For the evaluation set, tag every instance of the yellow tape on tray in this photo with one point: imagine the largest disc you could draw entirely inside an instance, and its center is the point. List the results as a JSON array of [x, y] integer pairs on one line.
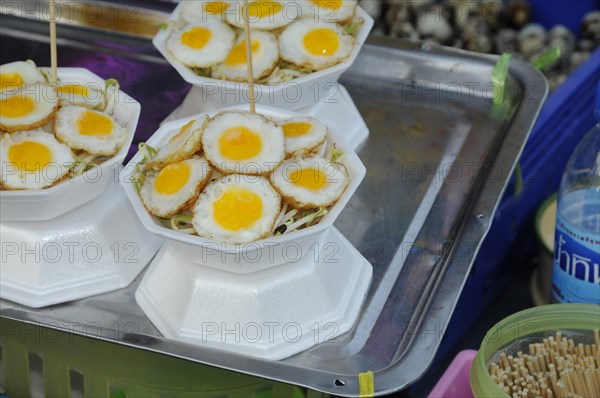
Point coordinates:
[[366, 384]]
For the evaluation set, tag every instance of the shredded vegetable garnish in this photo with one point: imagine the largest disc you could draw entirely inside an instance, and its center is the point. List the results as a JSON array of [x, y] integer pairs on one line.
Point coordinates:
[[111, 87], [352, 28], [499, 76], [81, 164], [203, 72], [147, 153], [182, 223], [166, 25], [310, 218], [547, 59], [335, 155]]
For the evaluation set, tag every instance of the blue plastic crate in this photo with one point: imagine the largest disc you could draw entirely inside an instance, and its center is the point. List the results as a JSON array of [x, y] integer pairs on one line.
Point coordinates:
[[566, 116]]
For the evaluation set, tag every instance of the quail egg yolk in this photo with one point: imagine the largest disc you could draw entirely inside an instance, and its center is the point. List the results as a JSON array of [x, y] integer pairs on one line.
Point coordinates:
[[263, 8], [239, 143], [172, 178], [94, 124], [308, 178], [216, 7], [237, 209], [321, 42], [10, 80], [16, 106], [196, 38], [329, 4], [299, 129], [29, 156], [237, 55], [74, 89]]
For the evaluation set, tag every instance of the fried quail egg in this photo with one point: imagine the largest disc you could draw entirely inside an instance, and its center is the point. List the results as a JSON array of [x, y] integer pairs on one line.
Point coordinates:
[[265, 55], [27, 107], [310, 182], [265, 14], [236, 209], [329, 10], [89, 95], [89, 130], [316, 45], [180, 146], [33, 159], [239, 142], [193, 11], [15, 74], [303, 135], [175, 187], [201, 45]]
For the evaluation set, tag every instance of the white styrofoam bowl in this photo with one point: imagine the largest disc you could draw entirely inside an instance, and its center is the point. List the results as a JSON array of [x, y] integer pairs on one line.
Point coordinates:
[[273, 313], [49, 203], [255, 256], [91, 250], [293, 95]]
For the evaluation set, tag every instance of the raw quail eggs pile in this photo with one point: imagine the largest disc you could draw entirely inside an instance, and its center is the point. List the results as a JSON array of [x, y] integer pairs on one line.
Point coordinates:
[[289, 38], [239, 177], [50, 132], [488, 26]]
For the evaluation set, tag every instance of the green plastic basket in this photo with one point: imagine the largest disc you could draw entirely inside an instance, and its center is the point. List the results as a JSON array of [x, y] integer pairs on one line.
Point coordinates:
[[38, 361], [538, 321]]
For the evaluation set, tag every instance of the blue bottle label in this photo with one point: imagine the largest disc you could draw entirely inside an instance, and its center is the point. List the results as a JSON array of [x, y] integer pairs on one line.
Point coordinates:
[[576, 273]]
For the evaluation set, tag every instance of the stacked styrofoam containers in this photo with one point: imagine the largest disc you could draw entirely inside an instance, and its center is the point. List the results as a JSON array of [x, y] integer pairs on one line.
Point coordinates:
[[275, 293]]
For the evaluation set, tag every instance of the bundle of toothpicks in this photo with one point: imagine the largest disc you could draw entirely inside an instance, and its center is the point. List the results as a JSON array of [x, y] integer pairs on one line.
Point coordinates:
[[556, 368]]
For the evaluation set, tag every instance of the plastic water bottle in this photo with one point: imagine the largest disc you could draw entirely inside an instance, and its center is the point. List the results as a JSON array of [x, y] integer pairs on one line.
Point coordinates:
[[576, 273]]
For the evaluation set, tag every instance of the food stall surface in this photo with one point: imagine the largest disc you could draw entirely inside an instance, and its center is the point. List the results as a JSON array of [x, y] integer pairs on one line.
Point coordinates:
[[438, 158]]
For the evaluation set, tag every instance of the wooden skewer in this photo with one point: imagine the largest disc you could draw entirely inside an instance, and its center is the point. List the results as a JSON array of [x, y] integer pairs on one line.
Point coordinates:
[[252, 99], [53, 48], [550, 369]]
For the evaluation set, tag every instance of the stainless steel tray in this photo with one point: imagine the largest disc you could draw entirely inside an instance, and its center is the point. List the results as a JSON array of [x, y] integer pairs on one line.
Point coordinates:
[[438, 158]]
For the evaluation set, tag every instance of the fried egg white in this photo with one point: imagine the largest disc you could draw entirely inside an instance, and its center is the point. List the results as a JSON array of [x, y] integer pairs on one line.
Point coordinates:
[[303, 135], [265, 14], [186, 142], [312, 182], [202, 44], [175, 187], [193, 11], [89, 130], [239, 142], [33, 159], [27, 107], [329, 10], [87, 95], [265, 55], [236, 209], [316, 45], [15, 74]]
